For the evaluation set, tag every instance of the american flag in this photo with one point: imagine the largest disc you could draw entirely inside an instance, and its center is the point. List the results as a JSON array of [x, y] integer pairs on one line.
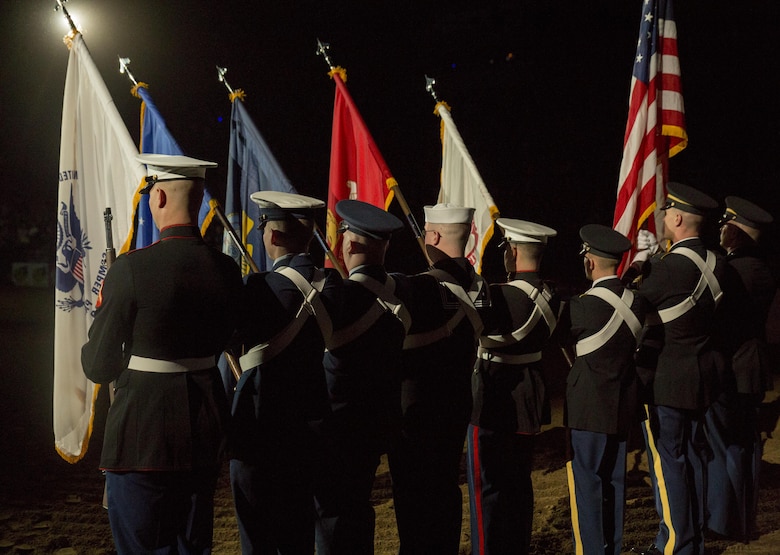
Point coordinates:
[[655, 130]]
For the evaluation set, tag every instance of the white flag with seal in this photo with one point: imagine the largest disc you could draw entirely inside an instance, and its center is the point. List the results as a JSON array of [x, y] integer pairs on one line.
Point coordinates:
[[462, 184], [98, 170]]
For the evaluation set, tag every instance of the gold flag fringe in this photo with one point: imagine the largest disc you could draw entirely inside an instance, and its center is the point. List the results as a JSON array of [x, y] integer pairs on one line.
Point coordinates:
[[239, 94], [341, 71], [68, 39], [439, 104], [134, 90]]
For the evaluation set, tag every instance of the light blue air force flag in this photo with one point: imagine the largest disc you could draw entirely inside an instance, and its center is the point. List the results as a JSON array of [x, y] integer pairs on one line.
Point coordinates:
[[155, 139]]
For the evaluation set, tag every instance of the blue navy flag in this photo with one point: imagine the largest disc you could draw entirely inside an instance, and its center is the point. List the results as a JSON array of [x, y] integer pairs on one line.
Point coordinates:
[[155, 139], [251, 168]]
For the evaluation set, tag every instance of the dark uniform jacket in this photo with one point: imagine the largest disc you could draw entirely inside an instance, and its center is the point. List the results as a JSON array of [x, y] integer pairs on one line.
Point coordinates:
[[436, 378], [176, 299], [512, 397], [359, 374], [275, 401], [602, 386], [686, 375], [756, 287]]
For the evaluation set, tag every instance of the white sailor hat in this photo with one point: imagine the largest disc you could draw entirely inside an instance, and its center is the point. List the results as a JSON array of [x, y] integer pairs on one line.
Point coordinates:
[[521, 231], [448, 213], [168, 167], [280, 205]]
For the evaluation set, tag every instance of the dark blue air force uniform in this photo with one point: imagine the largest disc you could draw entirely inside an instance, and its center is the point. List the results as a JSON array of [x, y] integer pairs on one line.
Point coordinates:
[[362, 356], [364, 411]]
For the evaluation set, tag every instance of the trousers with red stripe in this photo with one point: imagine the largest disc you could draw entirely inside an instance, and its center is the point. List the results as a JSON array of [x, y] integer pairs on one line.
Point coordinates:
[[501, 495]]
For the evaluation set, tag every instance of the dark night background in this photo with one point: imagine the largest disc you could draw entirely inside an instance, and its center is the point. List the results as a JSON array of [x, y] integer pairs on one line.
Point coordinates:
[[538, 89]]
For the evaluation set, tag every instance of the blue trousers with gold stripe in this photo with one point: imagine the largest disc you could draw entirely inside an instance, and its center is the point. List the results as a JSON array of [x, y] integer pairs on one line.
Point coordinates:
[[597, 492], [676, 459]]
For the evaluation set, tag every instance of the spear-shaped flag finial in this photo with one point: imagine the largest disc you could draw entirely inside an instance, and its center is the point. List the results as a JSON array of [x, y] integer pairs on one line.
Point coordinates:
[[123, 68], [221, 71], [238, 93], [61, 6], [429, 83], [322, 50]]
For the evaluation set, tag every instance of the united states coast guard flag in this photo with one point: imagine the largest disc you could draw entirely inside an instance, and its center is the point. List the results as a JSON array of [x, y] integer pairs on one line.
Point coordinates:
[[98, 170], [357, 168], [251, 168], [655, 130], [462, 184]]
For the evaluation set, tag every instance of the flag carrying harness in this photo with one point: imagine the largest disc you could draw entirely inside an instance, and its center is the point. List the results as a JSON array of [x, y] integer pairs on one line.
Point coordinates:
[[542, 310], [467, 301], [622, 313], [311, 305], [386, 302], [707, 280]]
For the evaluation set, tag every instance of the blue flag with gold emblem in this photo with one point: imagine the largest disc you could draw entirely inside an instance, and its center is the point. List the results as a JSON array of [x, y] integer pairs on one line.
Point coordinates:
[[251, 168]]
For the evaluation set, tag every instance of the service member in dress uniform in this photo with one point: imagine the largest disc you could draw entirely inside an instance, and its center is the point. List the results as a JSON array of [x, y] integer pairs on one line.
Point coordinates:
[[439, 352], [732, 420], [510, 402], [282, 391], [683, 286], [602, 400], [165, 312], [362, 357]]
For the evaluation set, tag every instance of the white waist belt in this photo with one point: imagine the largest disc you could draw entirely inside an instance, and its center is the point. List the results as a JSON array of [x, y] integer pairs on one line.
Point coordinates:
[[526, 358], [159, 366]]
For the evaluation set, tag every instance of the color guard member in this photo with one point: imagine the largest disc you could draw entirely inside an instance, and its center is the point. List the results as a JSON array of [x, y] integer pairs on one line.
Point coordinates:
[[165, 312], [732, 420], [282, 391], [683, 286], [510, 402], [602, 400], [435, 376], [362, 358]]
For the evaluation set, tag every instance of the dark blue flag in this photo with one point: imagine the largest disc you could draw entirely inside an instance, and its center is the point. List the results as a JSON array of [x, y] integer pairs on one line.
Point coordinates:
[[251, 168]]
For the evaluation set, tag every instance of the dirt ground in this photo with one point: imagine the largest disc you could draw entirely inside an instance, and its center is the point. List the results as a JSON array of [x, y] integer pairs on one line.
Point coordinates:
[[50, 506]]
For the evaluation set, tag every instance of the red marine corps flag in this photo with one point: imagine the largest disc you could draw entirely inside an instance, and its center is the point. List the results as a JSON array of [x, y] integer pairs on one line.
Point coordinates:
[[357, 168], [655, 130]]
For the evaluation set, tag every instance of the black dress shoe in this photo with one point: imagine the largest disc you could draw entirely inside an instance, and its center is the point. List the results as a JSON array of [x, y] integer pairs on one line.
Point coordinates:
[[649, 550]]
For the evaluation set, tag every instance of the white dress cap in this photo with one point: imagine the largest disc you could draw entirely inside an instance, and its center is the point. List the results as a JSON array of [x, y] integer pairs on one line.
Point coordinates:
[[521, 231], [279, 205], [284, 200], [165, 167], [447, 213]]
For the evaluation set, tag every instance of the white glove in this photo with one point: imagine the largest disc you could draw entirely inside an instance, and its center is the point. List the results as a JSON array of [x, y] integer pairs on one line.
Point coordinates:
[[646, 241], [640, 257]]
